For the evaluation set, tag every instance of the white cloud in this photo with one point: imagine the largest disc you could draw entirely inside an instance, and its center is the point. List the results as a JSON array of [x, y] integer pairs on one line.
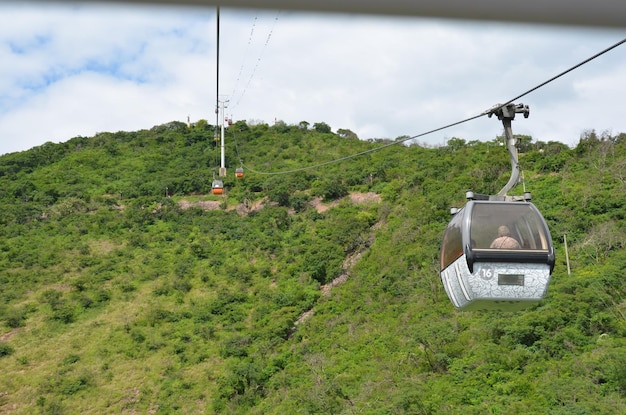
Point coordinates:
[[77, 70]]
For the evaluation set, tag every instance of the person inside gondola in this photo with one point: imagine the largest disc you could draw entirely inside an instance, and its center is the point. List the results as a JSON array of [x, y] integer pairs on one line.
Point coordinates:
[[504, 240]]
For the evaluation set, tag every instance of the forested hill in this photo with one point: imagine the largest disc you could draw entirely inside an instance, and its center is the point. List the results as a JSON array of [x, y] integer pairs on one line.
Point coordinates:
[[127, 287]]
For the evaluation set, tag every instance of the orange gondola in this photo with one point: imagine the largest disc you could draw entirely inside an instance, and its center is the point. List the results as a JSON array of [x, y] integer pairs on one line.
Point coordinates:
[[217, 187]]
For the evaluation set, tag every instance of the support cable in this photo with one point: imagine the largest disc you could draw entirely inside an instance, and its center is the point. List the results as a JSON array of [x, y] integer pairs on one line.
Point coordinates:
[[258, 61], [245, 55], [578, 65], [489, 112], [371, 150]]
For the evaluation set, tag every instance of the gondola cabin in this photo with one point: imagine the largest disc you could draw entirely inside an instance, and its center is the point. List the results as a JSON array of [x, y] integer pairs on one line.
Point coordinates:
[[496, 255], [239, 172], [217, 187]]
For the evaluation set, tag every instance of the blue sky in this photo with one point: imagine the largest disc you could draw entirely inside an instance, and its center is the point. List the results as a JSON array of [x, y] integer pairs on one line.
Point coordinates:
[[72, 69]]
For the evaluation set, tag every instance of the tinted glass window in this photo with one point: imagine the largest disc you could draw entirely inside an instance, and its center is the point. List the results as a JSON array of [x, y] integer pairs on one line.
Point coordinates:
[[508, 226], [452, 246]]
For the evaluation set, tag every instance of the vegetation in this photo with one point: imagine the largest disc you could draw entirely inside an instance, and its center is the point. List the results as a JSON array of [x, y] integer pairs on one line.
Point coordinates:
[[126, 287]]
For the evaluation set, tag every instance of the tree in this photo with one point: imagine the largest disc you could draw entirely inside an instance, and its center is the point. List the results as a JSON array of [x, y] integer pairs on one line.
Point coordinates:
[[345, 133], [455, 143], [524, 142], [202, 125], [322, 127], [241, 126], [329, 189], [281, 127]]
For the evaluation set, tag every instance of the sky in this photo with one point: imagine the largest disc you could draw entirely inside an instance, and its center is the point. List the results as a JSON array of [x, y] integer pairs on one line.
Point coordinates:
[[72, 69]]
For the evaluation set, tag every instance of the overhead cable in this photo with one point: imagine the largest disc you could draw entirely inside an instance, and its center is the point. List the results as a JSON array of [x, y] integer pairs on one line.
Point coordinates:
[[245, 55], [578, 65], [486, 112], [258, 61]]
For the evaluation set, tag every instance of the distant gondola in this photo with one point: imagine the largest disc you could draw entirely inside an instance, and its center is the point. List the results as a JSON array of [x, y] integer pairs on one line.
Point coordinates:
[[497, 251], [239, 172], [217, 187]]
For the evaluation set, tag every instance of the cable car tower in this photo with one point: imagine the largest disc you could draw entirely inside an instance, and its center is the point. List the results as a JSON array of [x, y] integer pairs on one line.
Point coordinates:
[[221, 122], [497, 251], [217, 186]]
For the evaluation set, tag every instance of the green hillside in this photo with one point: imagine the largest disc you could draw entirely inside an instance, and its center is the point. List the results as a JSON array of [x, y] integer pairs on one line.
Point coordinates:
[[127, 287]]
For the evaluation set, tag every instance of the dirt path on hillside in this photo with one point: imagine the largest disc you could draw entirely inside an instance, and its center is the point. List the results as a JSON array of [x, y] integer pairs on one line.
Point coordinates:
[[347, 266], [356, 198], [246, 207]]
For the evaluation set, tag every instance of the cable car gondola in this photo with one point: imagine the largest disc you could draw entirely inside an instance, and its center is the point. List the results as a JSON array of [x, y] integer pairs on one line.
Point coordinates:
[[496, 255], [239, 172], [217, 187], [497, 251]]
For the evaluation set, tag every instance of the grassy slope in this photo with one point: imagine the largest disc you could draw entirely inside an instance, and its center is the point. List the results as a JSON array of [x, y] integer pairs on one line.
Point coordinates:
[[133, 304]]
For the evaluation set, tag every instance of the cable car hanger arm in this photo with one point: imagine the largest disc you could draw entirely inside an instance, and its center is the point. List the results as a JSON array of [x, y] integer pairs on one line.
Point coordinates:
[[506, 113]]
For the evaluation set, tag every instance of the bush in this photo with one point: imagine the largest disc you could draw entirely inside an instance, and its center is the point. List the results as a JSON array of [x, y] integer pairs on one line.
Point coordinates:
[[15, 317], [6, 350], [329, 189], [65, 314]]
